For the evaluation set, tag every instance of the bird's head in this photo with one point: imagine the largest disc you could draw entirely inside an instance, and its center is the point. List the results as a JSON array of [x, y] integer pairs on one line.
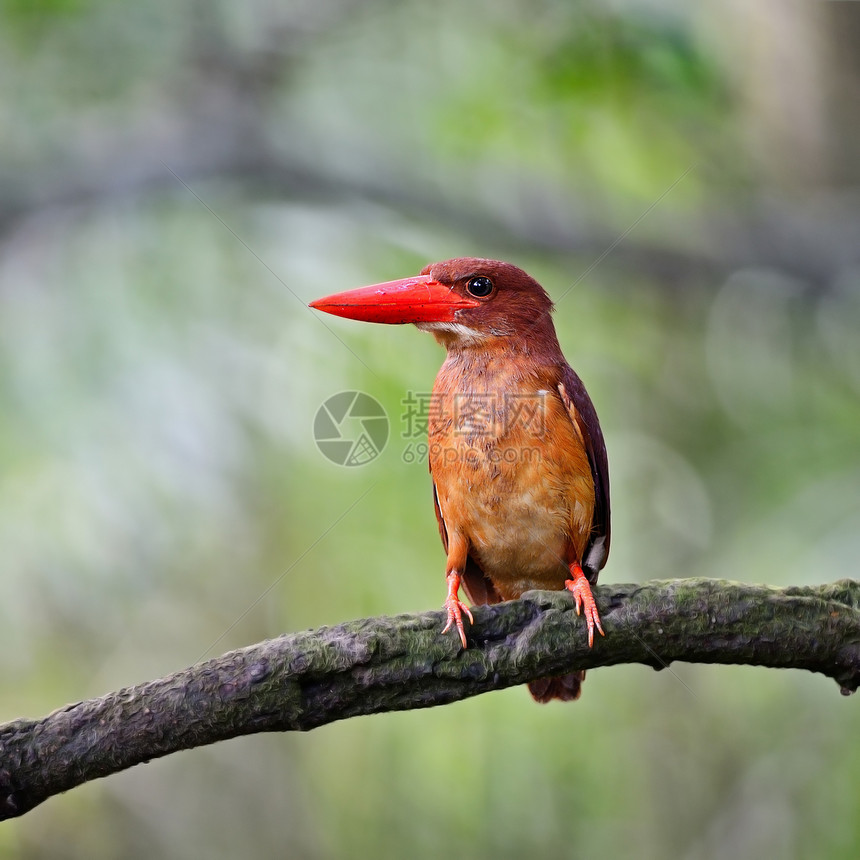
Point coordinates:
[[466, 301]]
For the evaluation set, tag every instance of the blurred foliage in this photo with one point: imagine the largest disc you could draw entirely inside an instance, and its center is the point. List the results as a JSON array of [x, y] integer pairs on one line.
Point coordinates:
[[178, 180]]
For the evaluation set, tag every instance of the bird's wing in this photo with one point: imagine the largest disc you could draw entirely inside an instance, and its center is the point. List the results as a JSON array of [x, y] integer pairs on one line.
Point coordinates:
[[582, 413], [478, 587]]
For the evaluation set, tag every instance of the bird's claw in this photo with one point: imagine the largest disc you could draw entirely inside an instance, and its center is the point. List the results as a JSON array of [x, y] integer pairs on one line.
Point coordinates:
[[455, 609], [584, 600]]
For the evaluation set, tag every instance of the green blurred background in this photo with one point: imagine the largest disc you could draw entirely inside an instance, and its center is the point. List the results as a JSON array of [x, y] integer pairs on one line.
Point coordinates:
[[177, 180]]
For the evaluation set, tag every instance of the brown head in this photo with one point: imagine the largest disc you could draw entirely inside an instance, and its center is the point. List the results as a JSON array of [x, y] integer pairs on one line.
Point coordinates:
[[464, 302]]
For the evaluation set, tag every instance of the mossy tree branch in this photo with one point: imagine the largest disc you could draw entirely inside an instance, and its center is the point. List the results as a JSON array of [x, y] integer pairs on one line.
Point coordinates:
[[304, 680]]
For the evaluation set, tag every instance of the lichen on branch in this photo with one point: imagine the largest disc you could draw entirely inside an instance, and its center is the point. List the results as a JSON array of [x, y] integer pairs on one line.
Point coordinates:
[[299, 681]]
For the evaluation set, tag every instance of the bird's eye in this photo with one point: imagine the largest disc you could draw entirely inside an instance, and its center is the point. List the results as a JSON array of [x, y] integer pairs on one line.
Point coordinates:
[[480, 287]]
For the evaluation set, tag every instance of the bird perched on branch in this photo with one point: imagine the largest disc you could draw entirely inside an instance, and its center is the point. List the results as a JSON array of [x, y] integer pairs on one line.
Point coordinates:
[[517, 457]]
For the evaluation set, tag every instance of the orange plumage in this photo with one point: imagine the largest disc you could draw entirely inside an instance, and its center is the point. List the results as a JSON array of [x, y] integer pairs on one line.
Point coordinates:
[[519, 467]]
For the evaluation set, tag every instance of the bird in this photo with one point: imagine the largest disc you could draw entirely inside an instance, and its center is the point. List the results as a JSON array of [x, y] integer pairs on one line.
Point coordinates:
[[517, 457]]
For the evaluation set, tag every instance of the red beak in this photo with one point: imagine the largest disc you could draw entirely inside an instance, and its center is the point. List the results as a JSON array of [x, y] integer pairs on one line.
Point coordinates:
[[409, 300]]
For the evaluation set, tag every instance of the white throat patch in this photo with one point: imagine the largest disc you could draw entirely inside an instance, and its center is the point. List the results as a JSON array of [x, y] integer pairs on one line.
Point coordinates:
[[462, 332]]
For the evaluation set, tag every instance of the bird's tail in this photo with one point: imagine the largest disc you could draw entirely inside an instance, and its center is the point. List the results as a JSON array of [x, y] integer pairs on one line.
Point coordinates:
[[564, 687]]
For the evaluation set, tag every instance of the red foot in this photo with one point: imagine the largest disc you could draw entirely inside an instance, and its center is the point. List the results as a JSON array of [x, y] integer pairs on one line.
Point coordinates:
[[581, 591], [456, 608]]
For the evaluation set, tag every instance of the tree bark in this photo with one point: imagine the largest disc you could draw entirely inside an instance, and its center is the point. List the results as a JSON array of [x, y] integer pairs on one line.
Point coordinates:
[[303, 680]]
